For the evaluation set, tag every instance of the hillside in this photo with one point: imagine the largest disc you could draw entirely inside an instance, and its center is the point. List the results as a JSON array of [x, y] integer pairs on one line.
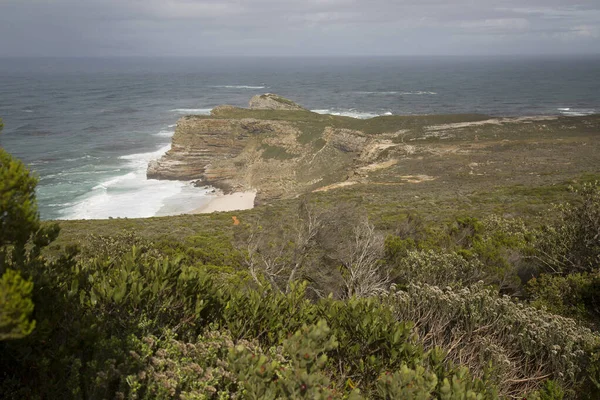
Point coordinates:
[[283, 154]]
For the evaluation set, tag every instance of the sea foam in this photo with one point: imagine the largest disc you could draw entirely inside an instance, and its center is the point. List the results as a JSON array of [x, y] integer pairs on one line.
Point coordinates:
[[239, 87], [165, 133], [199, 111], [132, 195], [401, 93], [352, 113], [576, 112]]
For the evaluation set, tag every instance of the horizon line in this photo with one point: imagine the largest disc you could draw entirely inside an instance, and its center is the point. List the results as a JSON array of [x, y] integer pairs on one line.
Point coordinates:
[[302, 56]]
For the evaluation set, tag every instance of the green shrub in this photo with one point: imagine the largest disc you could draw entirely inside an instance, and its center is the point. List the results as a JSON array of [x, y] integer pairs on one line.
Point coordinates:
[[212, 250], [396, 247], [438, 268], [574, 295], [523, 344], [592, 386], [295, 374], [567, 252], [550, 391], [16, 306], [165, 368], [370, 339], [572, 243], [114, 247], [468, 250], [215, 366], [498, 243], [21, 242], [407, 383], [165, 291], [18, 207], [86, 346], [267, 314]]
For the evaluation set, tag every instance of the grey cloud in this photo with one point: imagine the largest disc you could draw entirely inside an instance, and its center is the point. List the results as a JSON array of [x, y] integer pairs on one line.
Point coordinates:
[[303, 27]]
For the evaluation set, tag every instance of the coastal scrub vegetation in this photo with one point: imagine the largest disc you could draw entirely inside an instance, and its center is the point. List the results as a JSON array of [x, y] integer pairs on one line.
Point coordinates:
[[304, 299]]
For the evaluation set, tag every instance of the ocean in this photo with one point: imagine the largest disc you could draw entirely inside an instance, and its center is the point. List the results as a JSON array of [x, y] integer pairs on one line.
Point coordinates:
[[88, 127]]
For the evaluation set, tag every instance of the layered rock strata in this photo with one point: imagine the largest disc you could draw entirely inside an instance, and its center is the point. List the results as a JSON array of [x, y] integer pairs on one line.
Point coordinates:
[[278, 158], [196, 144]]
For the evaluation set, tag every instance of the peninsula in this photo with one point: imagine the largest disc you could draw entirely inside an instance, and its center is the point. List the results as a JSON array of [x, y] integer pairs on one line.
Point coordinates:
[[279, 150]]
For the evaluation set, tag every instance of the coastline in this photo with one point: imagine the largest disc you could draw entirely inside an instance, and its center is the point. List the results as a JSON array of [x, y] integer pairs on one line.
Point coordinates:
[[227, 202]]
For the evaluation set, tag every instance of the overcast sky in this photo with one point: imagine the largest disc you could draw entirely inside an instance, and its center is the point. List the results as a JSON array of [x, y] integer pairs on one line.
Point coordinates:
[[297, 27]]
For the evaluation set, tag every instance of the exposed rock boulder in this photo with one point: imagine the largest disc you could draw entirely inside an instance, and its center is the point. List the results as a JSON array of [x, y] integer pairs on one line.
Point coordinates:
[[270, 101]]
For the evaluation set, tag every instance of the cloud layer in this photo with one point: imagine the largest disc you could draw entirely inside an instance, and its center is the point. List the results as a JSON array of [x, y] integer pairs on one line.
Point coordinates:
[[297, 27]]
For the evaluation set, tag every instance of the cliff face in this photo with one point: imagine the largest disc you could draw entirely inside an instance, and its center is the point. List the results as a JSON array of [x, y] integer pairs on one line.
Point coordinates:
[[276, 147], [234, 153], [283, 153], [267, 155], [196, 144]]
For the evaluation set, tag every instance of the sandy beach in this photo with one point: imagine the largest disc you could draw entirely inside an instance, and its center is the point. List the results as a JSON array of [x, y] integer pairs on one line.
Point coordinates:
[[228, 202]]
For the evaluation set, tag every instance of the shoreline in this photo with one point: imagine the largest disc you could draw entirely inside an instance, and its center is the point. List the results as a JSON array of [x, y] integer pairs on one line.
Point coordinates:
[[227, 202]]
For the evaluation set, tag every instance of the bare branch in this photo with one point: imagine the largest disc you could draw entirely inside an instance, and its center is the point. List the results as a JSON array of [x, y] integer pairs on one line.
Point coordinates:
[[363, 272]]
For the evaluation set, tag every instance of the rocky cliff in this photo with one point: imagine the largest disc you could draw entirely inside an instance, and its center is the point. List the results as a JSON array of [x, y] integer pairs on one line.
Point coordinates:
[[275, 147], [281, 150], [269, 155]]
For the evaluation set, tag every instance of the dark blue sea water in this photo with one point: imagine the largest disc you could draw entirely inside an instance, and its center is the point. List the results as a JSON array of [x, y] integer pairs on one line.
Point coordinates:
[[88, 127]]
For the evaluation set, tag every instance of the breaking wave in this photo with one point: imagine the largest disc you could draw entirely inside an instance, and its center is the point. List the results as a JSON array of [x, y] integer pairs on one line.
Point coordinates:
[[165, 133], [240, 87], [400, 93], [198, 111], [576, 112], [352, 113], [132, 195]]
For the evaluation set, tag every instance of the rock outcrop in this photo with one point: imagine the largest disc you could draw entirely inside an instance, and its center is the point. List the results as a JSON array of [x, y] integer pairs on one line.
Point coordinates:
[[270, 101], [283, 155], [246, 154], [238, 149], [197, 143]]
